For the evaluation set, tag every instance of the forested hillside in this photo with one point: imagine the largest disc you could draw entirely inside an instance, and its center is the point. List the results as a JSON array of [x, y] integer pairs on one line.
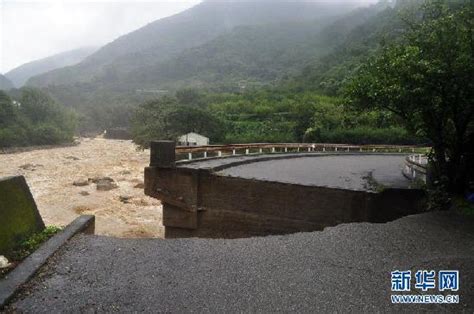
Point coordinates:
[[256, 56], [5, 83], [213, 45], [329, 73], [167, 37], [21, 74]]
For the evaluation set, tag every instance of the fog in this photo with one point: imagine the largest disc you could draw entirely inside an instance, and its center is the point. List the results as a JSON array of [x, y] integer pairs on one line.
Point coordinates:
[[31, 30], [34, 29]]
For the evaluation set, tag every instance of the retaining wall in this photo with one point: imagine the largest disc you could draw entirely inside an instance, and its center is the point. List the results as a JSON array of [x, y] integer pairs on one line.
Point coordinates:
[[201, 203]]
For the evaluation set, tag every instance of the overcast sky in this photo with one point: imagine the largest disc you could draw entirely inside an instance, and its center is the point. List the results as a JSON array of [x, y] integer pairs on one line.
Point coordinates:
[[34, 29]]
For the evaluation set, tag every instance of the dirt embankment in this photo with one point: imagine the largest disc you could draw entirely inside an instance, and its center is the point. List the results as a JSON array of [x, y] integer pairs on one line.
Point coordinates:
[[65, 181]]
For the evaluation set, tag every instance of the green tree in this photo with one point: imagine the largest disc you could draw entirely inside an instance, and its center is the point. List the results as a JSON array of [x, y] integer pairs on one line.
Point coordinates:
[[167, 118], [150, 121], [426, 79], [8, 114], [30, 117]]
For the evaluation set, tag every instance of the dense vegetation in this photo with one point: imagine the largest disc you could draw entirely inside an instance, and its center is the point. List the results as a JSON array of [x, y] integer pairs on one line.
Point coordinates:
[[426, 79], [31, 117], [265, 116]]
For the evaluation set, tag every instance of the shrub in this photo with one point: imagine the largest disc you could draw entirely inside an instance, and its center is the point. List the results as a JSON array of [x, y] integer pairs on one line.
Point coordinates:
[[363, 135]]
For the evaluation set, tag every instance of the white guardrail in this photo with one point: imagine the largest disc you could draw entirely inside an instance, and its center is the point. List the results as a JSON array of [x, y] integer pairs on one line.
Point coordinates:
[[416, 167], [212, 151]]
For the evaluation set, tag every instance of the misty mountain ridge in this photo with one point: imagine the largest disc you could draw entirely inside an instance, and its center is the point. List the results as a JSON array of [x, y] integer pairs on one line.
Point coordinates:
[[167, 37], [21, 74], [252, 55]]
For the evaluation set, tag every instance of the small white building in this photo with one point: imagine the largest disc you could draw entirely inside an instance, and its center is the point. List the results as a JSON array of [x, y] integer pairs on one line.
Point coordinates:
[[192, 139]]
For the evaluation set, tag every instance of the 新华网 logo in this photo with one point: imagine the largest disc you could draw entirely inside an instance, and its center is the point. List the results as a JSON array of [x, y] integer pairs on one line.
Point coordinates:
[[425, 281]]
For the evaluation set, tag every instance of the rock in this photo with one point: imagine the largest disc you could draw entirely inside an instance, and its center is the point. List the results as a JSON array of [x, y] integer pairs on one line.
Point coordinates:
[[4, 263], [31, 167], [106, 185], [81, 182], [125, 199], [140, 185], [84, 193], [99, 179]]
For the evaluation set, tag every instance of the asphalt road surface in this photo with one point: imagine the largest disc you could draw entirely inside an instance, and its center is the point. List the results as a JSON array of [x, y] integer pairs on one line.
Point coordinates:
[[344, 268], [342, 171]]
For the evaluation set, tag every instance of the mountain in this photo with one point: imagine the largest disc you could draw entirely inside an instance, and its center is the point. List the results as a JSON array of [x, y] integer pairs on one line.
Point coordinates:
[[296, 44], [5, 83], [328, 74], [21, 74], [251, 55], [166, 38]]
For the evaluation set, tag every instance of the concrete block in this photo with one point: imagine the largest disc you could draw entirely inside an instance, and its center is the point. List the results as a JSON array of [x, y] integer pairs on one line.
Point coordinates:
[[19, 216], [162, 154]]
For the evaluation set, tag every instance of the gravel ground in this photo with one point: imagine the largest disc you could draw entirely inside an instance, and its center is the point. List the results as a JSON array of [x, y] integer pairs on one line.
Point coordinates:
[[344, 268], [349, 172]]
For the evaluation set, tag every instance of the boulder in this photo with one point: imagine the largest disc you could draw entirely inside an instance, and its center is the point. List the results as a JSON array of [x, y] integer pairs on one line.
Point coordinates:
[[81, 182], [99, 179], [4, 263], [125, 199], [106, 185]]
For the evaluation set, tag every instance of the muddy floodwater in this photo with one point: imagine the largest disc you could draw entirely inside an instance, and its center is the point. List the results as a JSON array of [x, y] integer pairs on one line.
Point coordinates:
[[123, 211]]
